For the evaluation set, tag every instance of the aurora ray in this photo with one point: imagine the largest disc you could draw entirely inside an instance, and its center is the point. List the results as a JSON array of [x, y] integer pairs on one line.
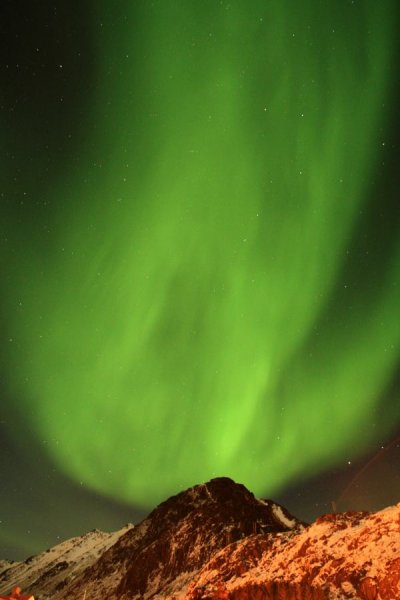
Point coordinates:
[[180, 320]]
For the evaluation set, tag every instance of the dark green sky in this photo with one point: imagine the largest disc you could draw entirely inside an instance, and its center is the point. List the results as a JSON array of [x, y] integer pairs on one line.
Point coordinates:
[[199, 255]]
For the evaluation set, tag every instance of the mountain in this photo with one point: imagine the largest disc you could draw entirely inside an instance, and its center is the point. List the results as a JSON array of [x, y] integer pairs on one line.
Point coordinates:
[[164, 552], [217, 541], [353, 555], [46, 574]]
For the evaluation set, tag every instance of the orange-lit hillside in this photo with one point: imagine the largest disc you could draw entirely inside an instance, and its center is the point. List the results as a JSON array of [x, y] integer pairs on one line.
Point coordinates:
[[16, 594]]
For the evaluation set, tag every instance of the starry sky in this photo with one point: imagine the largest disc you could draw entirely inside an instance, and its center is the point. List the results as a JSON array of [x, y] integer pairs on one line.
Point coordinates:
[[200, 257]]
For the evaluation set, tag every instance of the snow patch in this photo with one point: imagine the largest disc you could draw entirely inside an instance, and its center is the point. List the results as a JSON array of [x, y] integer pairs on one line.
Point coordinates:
[[282, 518]]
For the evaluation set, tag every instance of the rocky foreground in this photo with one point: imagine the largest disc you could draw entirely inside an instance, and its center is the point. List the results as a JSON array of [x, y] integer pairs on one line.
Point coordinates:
[[217, 541]]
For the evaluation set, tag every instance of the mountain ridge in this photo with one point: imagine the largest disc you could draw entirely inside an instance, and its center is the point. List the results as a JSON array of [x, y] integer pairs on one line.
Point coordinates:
[[217, 541]]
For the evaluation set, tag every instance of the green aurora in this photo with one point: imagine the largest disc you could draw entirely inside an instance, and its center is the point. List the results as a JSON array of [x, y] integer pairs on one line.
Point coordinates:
[[187, 316]]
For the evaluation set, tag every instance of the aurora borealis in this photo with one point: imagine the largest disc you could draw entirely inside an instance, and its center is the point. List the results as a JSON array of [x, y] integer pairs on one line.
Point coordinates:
[[200, 261]]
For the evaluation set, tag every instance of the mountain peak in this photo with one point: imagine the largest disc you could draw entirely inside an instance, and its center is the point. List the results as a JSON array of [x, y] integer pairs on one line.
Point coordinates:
[[217, 541], [181, 535]]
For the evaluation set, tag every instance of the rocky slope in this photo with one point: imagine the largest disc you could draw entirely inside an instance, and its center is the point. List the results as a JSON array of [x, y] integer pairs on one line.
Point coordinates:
[[164, 553], [217, 541], [46, 574], [346, 555]]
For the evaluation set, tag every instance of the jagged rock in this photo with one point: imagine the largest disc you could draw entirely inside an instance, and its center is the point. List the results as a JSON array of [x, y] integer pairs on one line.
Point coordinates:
[[348, 555], [179, 537], [47, 573], [216, 541]]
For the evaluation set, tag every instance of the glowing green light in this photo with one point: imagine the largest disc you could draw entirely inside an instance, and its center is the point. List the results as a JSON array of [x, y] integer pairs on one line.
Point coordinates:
[[175, 331]]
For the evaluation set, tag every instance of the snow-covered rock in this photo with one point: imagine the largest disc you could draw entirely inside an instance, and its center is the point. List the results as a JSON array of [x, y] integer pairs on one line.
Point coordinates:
[[346, 555], [46, 574], [162, 555], [217, 541]]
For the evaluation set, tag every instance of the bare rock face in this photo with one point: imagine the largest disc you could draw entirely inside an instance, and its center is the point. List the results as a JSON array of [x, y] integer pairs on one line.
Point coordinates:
[[164, 552], [46, 574], [216, 541], [5, 565], [348, 555]]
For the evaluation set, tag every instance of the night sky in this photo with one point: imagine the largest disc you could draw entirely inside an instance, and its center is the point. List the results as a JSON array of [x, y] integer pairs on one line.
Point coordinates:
[[200, 257]]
